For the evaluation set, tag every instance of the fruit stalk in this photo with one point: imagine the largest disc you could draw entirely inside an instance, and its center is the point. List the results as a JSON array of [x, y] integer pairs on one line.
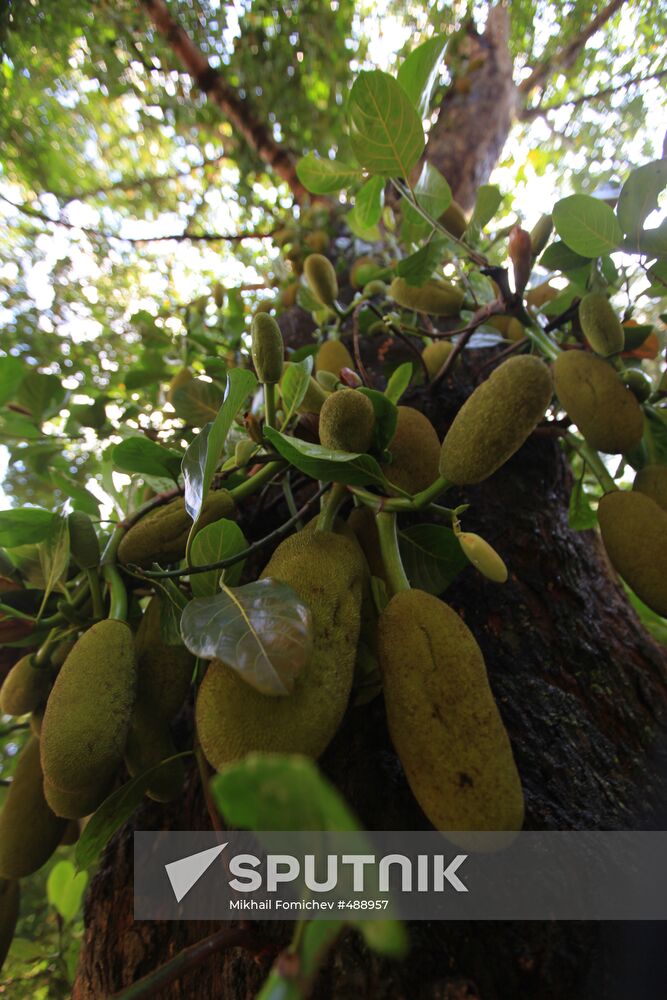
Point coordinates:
[[391, 556]]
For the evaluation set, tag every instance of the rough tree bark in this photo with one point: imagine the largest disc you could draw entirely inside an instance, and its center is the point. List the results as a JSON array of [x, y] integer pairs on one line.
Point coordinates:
[[581, 687]]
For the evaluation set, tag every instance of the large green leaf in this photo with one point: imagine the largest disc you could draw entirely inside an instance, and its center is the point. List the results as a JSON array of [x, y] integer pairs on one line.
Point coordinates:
[[559, 257], [432, 556], [385, 129], [41, 395], [196, 402], [24, 525], [220, 540], [587, 225], [323, 176], [434, 195], [368, 203], [639, 197], [12, 371], [65, 887], [419, 72], [146, 457], [326, 465], [419, 266], [487, 203], [294, 385]]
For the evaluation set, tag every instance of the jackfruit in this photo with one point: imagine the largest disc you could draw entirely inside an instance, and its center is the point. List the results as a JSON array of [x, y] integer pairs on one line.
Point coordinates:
[[164, 672], [606, 413], [29, 830], [88, 714], [639, 384], [483, 556], [652, 482], [83, 543], [634, 532], [149, 742], [321, 278], [332, 357], [25, 688], [443, 720], [267, 348], [509, 326], [415, 452], [434, 356], [437, 297], [163, 533], [328, 572], [347, 421], [10, 901], [600, 324], [77, 803], [495, 420]]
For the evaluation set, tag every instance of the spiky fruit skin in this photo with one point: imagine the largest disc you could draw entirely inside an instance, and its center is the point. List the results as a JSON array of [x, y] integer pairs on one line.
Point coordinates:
[[443, 719], [604, 410], [600, 324], [434, 356], [495, 420], [29, 830], [321, 278], [347, 421], [88, 714], [10, 903], [483, 556], [25, 687], [634, 532], [436, 297], [149, 743], [328, 572], [332, 357], [415, 452], [163, 533], [652, 482], [164, 672], [267, 348]]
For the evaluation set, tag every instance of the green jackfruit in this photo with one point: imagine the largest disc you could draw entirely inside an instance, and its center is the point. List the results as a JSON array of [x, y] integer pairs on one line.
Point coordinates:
[[437, 297], [78, 803], [10, 902], [634, 532], [267, 348], [347, 421], [606, 413], [443, 719], [332, 356], [434, 356], [600, 324], [651, 481], [495, 420], [163, 533], [164, 672], [415, 452], [83, 543], [29, 830], [148, 743], [321, 278], [88, 713], [483, 556], [25, 687], [328, 572]]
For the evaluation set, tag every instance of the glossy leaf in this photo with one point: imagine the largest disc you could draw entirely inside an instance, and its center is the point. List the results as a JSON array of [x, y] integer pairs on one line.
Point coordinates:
[[432, 556], [368, 203], [587, 225], [146, 457], [294, 385], [559, 257], [324, 464], [419, 72], [213, 543], [385, 129], [487, 203], [54, 555], [323, 176], [399, 380], [25, 525], [197, 401], [419, 266]]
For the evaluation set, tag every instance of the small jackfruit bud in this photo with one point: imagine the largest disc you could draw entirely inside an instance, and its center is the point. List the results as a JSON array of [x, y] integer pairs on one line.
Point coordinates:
[[362, 271], [434, 356], [540, 233], [321, 278], [439, 298], [267, 348], [600, 324], [83, 542], [347, 421], [483, 556], [25, 688], [332, 356], [244, 451]]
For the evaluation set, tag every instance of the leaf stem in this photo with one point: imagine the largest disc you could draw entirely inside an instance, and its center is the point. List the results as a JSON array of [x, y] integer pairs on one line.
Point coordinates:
[[335, 498], [117, 592], [95, 593], [391, 556], [593, 460], [269, 404], [252, 484]]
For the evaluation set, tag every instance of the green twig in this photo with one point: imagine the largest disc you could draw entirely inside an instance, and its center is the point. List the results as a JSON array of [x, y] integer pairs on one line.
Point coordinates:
[[391, 556], [335, 498], [95, 593], [593, 460], [117, 592], [269, 404]]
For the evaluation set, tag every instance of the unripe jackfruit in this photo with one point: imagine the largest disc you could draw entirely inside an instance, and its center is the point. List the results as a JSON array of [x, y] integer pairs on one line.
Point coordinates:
[[652, 482], [437, 297], [443, 719], [328, 572], [483, 556], [347, 421], [25, 687], [600, 324], [163, 533], [415, 452], [495, 420], [332, 356], [29, 830], [149, 742], [164, 672], [606, 413], [267, 348], [434, 356], [88, 714], [634, 532], [321, 278], [10, 901]]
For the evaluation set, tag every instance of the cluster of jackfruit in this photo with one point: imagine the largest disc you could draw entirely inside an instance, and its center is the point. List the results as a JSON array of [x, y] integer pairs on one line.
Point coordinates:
[[162, 534]]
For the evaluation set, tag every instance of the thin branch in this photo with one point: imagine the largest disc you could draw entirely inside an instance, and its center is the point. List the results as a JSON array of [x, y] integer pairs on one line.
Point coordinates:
[[482, 314], [237, 110], [564, 58], [539, 111], [127, 183]]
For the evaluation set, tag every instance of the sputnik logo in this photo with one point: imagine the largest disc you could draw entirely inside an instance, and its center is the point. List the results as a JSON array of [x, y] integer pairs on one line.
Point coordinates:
[[186, 872]]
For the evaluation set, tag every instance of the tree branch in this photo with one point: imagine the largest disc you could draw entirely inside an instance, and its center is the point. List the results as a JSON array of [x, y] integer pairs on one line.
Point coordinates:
[[215, 87], [539, 111], [127, 183], [563, 58]]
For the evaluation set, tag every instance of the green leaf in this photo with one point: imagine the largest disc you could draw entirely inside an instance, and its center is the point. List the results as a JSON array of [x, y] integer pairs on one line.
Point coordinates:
[[652, 242], [398, 382], [41, 395], [294, 386], [419, 266], [419, 72], [581, 515], [262, 630], [432, 556], [369, 234], [197, 401], [385, 129], [220, 540], [587, 225], [559, 257], [324, 464], [434, 195], [202, 457], [24, 525], [54, 556], [82, 499], [65, 887], [140, 454], [317, 938], [368, 203], [12, 371], [322, 176], [386, 416], [639, 197], [487, 203]]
